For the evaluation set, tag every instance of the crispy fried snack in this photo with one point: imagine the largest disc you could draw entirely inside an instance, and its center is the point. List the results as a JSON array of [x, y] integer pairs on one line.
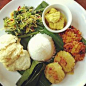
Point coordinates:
[[77, 49], [71, 35]]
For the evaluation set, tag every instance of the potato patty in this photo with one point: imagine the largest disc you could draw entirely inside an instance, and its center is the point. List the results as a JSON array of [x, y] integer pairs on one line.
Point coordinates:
[[54, 73], [77, 49], [66, 60], [70, 35]]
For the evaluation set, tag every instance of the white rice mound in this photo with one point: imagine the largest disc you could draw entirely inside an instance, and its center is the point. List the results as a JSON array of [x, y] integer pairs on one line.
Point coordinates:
[[41, 47]]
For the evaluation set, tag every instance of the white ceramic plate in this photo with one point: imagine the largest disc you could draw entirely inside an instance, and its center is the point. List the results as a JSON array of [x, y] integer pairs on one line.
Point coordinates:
[[8, 78]]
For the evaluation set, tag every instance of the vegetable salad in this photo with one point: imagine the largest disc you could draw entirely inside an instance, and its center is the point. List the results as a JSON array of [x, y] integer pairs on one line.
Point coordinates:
[[22, 21]]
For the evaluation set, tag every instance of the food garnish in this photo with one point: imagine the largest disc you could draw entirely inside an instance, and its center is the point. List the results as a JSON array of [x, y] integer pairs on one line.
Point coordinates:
[[22, 21]]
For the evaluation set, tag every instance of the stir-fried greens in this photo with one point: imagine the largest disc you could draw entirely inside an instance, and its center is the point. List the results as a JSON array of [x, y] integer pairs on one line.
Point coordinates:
[[22, 21]]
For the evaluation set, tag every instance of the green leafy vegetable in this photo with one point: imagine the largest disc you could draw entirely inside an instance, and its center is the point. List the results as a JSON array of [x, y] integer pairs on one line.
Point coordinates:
[[22, 21], [34, 82], [43, 81], [27, 73], [24, 42], [36, 73], [83, 40], [42, 5], [40, 10], [21, 72], [16, 24]]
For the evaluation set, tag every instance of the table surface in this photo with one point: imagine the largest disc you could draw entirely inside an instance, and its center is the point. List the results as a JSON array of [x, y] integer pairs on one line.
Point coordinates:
[[4, 2], [81, 2]]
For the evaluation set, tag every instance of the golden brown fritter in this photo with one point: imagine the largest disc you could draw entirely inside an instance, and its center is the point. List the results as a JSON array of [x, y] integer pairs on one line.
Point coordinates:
[[70, 35], [54, 73], [77, 49], [66, 60]]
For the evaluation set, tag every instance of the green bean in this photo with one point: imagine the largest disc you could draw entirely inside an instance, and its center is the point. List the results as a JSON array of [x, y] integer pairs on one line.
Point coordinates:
[[27, 35], [17, 28]]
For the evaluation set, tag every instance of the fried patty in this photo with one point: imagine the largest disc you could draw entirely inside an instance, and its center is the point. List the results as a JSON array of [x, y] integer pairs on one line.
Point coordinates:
[[71, 34], [77, 49], [66, 60], [54, 73]]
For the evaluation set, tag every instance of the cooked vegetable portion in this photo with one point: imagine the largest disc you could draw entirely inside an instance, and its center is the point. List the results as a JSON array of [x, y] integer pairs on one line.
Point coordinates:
[[77, 49], [22, 21], [55, 19], [66, 60], [54, 73]]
